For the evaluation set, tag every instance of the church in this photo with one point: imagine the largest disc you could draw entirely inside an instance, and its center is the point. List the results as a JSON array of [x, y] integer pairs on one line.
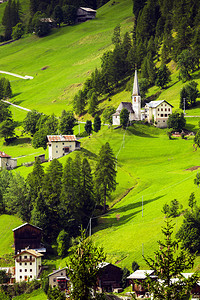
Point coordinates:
[[156, 112]]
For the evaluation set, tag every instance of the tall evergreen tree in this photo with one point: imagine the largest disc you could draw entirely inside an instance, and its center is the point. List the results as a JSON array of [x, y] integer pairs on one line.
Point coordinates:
[[97, 123], [67, 122], [105, 173]]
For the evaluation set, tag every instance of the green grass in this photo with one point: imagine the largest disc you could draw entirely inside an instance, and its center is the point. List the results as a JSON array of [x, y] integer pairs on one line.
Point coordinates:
[[71, 54], [35, 295], [7, 223]]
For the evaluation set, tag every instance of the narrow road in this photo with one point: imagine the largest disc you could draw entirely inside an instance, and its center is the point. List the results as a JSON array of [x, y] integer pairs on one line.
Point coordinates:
[[20, 107], [16, 75]]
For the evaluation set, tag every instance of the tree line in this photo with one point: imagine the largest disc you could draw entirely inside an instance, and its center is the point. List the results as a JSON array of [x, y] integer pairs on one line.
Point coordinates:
[[62, 197], [61, 11]]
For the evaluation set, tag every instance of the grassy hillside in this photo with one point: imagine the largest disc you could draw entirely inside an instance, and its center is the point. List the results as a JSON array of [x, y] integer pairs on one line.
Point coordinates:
[[7, 223], [69, 54]]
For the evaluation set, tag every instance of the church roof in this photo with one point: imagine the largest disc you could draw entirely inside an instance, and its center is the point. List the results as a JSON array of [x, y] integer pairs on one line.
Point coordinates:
[[136, 89], [154, 104], [127, 105]]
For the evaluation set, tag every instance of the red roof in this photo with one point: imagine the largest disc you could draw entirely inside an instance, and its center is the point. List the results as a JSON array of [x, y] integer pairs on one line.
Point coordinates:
[[61, 138], [3, 154]]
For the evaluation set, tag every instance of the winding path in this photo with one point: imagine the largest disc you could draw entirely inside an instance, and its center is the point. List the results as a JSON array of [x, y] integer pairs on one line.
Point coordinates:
[[20, 107], [16, 75]]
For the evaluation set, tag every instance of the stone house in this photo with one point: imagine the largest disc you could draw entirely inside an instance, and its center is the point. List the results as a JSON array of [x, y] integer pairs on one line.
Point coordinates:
[[7, 162], [28, 265], [60, 145], [59, 279]]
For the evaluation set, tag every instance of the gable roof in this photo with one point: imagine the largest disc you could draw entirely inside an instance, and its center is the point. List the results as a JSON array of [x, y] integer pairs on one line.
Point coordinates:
[[136, 89], [31, 252], [3, 154], [88, 9], [154, 104], [61, 138], [56, 271], [127, 105], [25, 224], [140, 274]]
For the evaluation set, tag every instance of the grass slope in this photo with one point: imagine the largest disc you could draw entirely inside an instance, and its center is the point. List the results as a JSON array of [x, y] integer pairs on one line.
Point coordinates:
[[7, 223], [35, 295], [69, 54], [156, 169]]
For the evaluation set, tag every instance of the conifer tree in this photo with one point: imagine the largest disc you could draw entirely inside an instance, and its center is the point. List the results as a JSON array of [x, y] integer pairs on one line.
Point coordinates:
[[67, 122], [93, 104], [105, 173], [97, 123], [169, 263]]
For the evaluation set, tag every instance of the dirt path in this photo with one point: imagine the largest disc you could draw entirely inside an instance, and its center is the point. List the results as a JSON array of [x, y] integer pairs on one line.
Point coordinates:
[[16, 75], [20, 107]]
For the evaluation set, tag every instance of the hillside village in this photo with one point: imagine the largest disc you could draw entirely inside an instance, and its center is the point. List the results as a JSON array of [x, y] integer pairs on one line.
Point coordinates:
[[99, 155]]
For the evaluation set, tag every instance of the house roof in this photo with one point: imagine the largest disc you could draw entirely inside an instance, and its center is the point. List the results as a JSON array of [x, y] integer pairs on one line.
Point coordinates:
[[127, 105], [29, 251], [61, 138], [3, 154], [136, 89], [56, 271], [154, 104], [140, 274], [88, 9], [25, 224]]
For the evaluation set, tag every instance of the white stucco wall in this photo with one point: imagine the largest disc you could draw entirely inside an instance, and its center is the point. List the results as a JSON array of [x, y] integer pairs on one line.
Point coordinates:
[[56, 148], [27, 268]]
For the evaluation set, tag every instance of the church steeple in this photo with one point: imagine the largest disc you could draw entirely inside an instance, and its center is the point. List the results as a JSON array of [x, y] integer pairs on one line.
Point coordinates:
[[136, 98], [136, 89]]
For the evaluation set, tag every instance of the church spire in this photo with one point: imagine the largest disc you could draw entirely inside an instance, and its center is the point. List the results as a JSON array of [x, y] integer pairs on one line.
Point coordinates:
[[136, 90]]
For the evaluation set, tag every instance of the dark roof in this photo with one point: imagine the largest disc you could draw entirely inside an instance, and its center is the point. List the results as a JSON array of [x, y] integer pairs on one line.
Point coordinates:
[[56, 271], [25, 224], [127, 105]]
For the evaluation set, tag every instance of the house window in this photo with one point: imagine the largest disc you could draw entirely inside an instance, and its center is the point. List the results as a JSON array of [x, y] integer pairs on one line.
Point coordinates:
[[161, 115], [31, 276], [20, 270], [161, 109], [158, 109], [30, 257], [56, 146], [158, 115], [20, 264], [25, 263], [25, 270], [163, 120], [20, 277], [165, 115], [54, 280], [30, 270], [165, 109], [25, 256], [30, 263], [168, 109], [54, 285], [56, 151], [49, 145], [161, 104], [61, 274], [63, 143], [134, 99]]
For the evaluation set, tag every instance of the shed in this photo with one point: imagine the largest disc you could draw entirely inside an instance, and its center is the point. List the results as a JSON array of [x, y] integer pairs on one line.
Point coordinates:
[[7, 162], [109, 277], [85, 14]]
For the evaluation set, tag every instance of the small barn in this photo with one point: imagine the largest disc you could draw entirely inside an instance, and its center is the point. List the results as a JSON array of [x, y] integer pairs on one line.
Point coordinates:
[[7, 162], [85, 14], [109, 277], [28, 236]]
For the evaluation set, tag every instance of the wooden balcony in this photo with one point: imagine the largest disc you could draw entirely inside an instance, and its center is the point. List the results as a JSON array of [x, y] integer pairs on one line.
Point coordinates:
[[25, 259]]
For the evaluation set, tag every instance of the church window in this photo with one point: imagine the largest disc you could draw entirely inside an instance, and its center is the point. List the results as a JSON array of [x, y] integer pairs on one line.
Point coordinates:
[[134, 99]]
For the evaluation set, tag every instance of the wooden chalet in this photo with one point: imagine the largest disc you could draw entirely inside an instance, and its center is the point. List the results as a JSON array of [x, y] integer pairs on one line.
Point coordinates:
[[109, 277], [85, 14], [28, 236], [137, 279]]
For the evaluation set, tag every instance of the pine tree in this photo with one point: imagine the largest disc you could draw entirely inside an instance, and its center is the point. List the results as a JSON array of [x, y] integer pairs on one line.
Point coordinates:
[[88, 127], [67, 122], [124, 117], [97, 123], [169, 263], [163, 76], [105, 173], [93, 104]]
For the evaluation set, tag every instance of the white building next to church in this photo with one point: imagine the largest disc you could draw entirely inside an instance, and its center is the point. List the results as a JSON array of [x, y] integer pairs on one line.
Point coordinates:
[[28, 265], [155, 111], [158, 112]]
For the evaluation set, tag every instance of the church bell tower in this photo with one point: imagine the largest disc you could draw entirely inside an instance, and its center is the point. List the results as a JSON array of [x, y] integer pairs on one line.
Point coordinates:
[[136, 98]]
